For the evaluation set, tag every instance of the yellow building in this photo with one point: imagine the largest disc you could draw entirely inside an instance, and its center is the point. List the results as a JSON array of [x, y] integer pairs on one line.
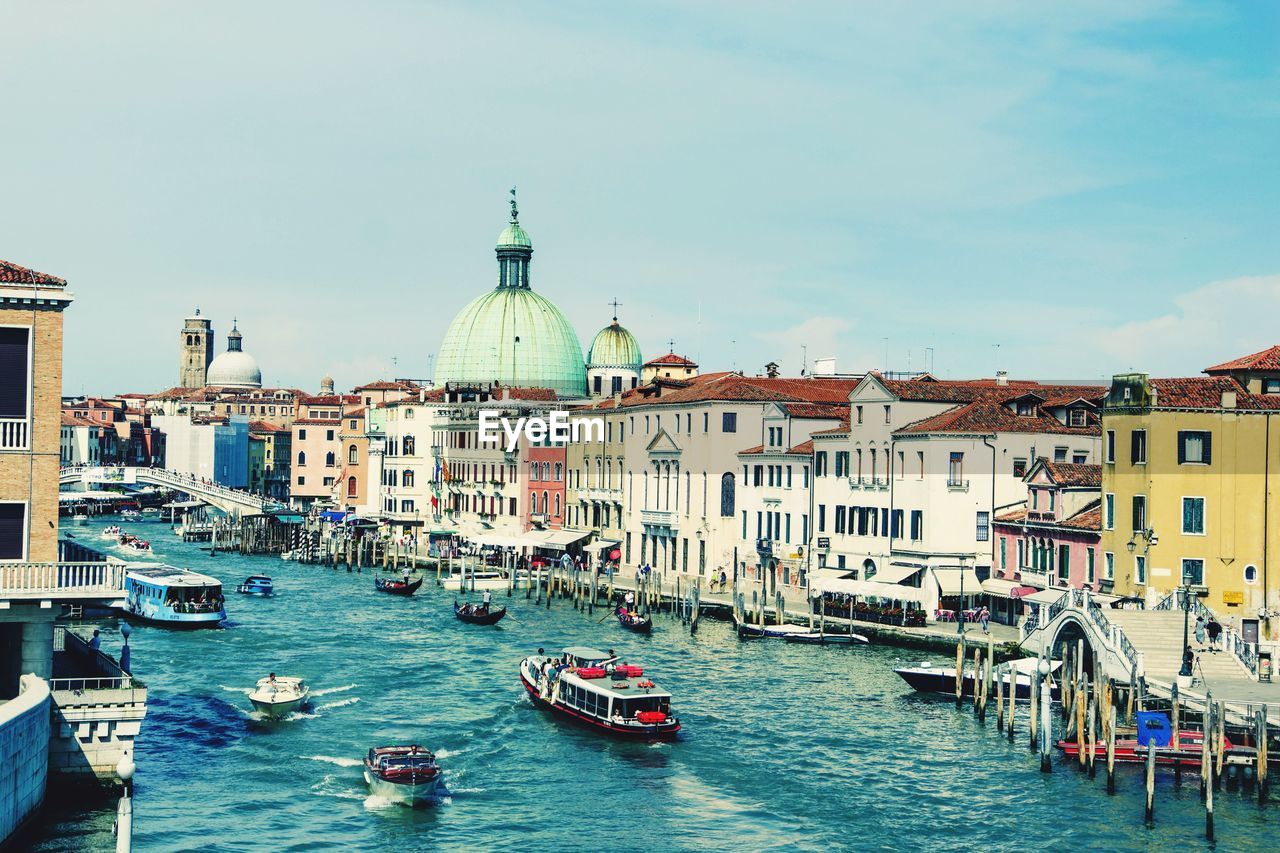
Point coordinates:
[[1187, 492], [593, 487]]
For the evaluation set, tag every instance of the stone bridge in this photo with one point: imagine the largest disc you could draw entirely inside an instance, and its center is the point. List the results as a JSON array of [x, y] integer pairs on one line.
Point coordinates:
[[228, 500]]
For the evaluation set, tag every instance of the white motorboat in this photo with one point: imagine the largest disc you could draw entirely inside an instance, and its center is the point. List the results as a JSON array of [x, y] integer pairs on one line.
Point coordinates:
[[477, 581], [402, 774], [278, 695]]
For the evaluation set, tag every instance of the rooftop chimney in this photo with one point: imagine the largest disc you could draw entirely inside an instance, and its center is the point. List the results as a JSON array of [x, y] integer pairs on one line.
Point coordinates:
[[1002, 377]]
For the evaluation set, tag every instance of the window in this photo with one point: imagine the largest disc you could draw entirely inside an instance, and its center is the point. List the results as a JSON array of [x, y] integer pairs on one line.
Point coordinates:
[[1060, 454], [1088, 565], [1193, 516], [353, 455], [353, 488], [822, 519], [596, 383], [1270, 386], [1026, 408], [407, 479], [1194, 447], [1019, 467], [917, 524], [840, 513], [842, 463], [820, 464], [330, 460], [729, 422], [1109, 511], [1109, 566], [1111, 446], [1140, 569], [858, 410], [302, 481], [1193, 572], [13, 527], [896, 532], [1251, 573], [1064, 562], [727, 496], [1004, 556], [559, 472], [1076, 418], [1138, 447], [1079, 458], [302, 435], [984, 527], [955, 469], [302, 458], [328, 435], [1139, 513], [329, 481], [886, 415], [757, 476]]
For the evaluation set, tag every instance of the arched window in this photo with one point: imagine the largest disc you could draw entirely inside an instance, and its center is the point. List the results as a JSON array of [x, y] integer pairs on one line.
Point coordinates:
[[868, 569], [557, 503], [544, 503], [728, 495], [533, 470], [408, 444], [352, 488], [546, 470], [353, 455], [408, 476], [329, 459], [1250, 574], [190, 340], [533, 502], [559, 471], [302, 457]]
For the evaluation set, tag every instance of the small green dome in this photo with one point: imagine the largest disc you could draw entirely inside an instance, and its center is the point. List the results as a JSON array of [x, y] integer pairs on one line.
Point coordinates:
[[480, 345], [614, 346], [514, 235]]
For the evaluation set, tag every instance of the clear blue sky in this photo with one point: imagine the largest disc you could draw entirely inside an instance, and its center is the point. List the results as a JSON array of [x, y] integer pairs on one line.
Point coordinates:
[[1090, 185]]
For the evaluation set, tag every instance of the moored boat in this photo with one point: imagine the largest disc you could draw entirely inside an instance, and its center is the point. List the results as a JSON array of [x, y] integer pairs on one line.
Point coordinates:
[[633, 621], [173, 596], [278, 695], [1186, 752], [476, 581], [478, 614], [828, 638], [942, 679], [590, 687], [396, 587], [402, 774], [754, 630], [256, 585]]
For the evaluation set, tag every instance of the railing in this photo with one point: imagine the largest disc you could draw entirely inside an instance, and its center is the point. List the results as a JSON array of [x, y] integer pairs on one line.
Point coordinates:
[[661, 518], [55, 579], [1246, 653], [14, 433], [182, 482], [80, 685], [957, 485]]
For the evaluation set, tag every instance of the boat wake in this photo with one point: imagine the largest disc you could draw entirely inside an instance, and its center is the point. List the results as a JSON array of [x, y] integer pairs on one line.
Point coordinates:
[[329, 759], [329, 690], [341, 703], [241, 690], [329, 786]]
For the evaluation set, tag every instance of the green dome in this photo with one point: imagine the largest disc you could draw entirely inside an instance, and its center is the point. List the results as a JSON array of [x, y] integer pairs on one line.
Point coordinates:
[[614, 346], [514, 235], [480, 345]]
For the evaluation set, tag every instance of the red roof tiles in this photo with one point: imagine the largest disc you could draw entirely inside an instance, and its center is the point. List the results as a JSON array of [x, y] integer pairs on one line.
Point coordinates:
[[1267, 359], [1074, 474], [670, 359], [991, 416], [11, 273]]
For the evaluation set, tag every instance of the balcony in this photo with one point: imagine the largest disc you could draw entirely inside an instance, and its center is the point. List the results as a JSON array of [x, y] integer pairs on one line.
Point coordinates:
[[14, 434], [538, 518], [603, 495], [61, 580], [957, 485], [658, 518]]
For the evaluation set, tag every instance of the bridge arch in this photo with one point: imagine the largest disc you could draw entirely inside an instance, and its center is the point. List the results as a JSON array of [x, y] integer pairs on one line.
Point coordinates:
[[1071, 628]]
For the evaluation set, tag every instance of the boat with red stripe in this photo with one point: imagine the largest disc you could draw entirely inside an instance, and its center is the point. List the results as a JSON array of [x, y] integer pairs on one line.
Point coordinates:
[[596, 689]]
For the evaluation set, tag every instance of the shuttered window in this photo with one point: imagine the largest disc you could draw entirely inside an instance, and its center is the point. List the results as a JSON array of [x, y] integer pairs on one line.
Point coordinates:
[[15, 374], [13, 540]]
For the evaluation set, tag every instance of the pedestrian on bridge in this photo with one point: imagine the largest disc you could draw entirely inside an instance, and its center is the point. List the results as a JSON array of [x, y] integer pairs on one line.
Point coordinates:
[[1214, 627], [1200, 630]]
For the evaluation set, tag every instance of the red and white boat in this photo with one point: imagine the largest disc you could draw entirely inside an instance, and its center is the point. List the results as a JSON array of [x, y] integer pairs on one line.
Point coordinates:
[[1186, 751], [402, 774], [591, 687]]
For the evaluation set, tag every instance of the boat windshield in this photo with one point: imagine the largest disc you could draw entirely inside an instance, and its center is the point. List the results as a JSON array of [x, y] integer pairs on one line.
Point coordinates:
[[628, 708], [417, 761], [195, 599]]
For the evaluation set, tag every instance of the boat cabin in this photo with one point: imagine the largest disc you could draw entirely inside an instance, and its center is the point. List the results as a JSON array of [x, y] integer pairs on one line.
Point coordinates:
[[180, 590]]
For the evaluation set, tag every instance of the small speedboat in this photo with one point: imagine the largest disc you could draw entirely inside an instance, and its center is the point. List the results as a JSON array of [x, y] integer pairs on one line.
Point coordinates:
[[396, 587], [478, 614], [827, 638], [277, 695], [634, 621], [402, 774], [942, 679], [288, 555], [256, 585], [130, 513], [753, 630], [151, 510], [128, 540], [111, 532]]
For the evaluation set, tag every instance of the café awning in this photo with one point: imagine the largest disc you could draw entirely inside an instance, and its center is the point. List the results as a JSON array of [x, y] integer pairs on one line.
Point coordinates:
[[896, 573], [600, 545], [1000, 587], [956, 581], [560, 539]]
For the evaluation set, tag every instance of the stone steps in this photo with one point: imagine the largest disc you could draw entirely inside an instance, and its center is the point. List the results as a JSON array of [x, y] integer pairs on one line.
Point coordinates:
[[1158, 636]]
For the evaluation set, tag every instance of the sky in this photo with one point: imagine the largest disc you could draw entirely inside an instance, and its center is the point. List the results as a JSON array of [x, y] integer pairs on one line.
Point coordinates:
[[1060, 190]]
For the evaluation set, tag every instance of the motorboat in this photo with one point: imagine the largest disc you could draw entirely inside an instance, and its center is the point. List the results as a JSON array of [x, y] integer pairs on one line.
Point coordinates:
[[278, 695], [633, 621], [130, 513], [151, 510], [171, 596], [256, 585], [826, 638], [289, 555], [128, 540], [111, 531], [928, 678], [476, 581], [1187, 752], [478, 614], [591, 687], [755, 630], [396, 587], [402, 774]]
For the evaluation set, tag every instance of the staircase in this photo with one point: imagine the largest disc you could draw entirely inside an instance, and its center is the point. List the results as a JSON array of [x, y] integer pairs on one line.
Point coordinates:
[[1157, 634]]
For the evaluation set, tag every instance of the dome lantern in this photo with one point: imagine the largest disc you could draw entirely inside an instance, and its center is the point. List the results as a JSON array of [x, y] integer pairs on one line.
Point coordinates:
[[234, 368]]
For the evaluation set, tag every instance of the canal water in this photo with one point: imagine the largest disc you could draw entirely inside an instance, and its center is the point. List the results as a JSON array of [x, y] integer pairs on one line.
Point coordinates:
[[784, 747]]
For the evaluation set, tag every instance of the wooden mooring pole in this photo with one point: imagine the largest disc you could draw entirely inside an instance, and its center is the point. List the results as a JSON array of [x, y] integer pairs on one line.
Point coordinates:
[[1151, 781], [1261, 738], [1208, 789], [960, 655], [1111, 749], [1000, 699], [977, 682], [1033, 726]]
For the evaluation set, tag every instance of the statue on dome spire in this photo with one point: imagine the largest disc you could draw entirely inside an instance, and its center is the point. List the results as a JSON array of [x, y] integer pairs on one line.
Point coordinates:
[[515, 212]]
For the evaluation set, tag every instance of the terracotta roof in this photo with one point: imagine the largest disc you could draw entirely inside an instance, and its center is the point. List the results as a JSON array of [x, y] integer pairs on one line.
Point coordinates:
[[11, 273], [1205, 392], [354, 413], [1012, 517], [990, 415], [1089, 518], [1074, 474], [1267, 359], [320, 400], [266, 426], [802, 449], [843, 429], [388, 385], [527, 394], [759, 448], [822, 411], [72, 420], [734, 387], [671, 358], [316, 421]]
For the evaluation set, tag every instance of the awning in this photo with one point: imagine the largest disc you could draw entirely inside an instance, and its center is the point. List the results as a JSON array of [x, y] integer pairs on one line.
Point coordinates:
[[951, 580], [1000, 587], [834, 582], [289, 518], [560, 539], [497, 540], [895, 591], [442, 533], [896, 573], [600, 545], [333, 515], [1023, 591], [1045, 596]]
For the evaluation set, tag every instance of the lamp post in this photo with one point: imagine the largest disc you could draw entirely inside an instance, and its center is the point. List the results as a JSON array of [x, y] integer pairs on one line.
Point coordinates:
[[960, 621], [125, 663], [1185, 672], [124, 811]]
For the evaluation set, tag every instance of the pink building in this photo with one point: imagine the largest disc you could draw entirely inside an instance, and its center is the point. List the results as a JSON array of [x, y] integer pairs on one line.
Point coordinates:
[[546, 479], [1052, 542]]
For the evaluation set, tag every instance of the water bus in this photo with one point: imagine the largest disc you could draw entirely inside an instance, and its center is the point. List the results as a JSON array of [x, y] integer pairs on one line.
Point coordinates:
[[402, 774], [590, 687], [171, 596]]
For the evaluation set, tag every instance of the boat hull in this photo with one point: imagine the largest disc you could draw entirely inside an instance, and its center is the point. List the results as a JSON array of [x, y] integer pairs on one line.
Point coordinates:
[[278, 709], [943, 681], [156, 615], [819, 639], [397, 587], [411, 794], [644, 626], [1187, 754], [493, 617], [654, 732]]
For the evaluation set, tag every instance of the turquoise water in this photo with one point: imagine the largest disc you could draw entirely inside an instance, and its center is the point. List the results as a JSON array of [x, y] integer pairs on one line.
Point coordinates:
[[784, 747]]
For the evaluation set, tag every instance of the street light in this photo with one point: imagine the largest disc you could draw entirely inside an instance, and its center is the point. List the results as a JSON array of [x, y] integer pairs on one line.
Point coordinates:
[[125, 630]]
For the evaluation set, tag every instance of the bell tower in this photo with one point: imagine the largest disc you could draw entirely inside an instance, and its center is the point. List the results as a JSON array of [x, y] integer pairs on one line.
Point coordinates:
[[196, 345]]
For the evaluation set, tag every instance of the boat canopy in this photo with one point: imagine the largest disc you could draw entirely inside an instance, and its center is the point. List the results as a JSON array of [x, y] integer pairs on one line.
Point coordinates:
[[587, 653]]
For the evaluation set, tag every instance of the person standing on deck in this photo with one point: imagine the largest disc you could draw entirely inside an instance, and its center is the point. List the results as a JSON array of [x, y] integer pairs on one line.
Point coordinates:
[[484, 606], [984, 617]]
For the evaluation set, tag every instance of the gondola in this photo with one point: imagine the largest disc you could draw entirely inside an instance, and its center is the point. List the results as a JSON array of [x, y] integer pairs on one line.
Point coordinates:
[[396, 587], [467, 613], [634, 622]]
